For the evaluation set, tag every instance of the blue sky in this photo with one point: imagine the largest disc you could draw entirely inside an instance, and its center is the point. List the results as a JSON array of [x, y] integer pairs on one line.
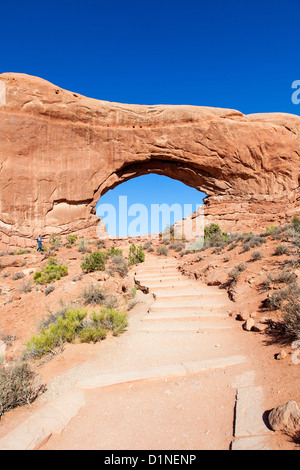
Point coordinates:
[[230, 54]]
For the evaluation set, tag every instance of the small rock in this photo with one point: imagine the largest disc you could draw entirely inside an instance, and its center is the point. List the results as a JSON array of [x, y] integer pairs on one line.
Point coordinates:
[[242, 316], [16, 297], [281, 355], [285, 418], [260, 327], [248, 325]]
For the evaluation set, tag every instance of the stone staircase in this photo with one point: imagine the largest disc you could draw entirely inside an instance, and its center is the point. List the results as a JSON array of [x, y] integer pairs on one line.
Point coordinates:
[[182, 343]]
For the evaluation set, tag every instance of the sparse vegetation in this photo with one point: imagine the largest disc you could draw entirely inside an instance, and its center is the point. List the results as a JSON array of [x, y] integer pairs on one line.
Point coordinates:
[[94, 262], [234, 274], [25, 287], [94, 294], [136, 254], [162, 250], [71, 239], [296, 223], [18, 386], [119, 265], [256, 255], [49, 289], [75, 324], [17, 276], [281, 250], [52, 272]]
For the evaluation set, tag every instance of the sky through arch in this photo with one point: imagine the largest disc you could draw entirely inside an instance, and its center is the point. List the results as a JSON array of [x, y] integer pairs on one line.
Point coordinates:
[[135, 206]]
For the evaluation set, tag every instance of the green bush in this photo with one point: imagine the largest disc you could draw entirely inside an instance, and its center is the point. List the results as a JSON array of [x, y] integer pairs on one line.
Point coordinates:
[[114, 251], [52, 272], [71, 239], [111, 319], [55, 241], [92, 334], [94, 262], [136, 254], [75, 324], [65, 329], [271, 228]]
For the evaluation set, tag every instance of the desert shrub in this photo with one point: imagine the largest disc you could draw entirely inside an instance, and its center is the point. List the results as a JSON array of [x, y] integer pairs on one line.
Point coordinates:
[[271, 228], [131, 304], [136, 254], [64, 329], [195, 246], [291, 318], [281, 250], [55, 241], [111, 319], [256, 255], [288, 300], [18, 386], [148, 245], [52, 272], [92, 334], [17, 276], [177, 246], [94, 262], [252, 241], [94, 294], [71, 239], [49, 289], [234, 274], [241, 267], [25, 287], [114, 252], [280, 297], [284, 277], [232, 246], [82, 246], [119, 265], [296, 223], [101, 243], [214, 237], [162, 250]]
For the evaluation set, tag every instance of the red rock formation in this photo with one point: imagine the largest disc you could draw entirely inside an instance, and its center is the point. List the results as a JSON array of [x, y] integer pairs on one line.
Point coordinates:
[[60, 151]]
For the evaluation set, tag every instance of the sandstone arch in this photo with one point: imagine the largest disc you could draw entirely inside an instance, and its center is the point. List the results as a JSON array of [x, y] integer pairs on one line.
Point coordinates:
[[59, 151]]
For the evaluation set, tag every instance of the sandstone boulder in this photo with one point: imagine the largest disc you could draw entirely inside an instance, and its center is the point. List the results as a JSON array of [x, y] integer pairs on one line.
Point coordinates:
[[285, 418]]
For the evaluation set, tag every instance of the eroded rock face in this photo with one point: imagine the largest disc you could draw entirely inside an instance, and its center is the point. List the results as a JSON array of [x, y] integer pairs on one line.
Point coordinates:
[[60, 151]]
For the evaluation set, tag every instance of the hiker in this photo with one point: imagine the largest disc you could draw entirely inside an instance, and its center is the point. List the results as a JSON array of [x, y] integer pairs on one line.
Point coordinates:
[[39, 242]]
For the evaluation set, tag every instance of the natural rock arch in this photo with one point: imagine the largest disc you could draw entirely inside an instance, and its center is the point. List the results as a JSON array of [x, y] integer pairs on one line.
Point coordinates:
[[59, 151]]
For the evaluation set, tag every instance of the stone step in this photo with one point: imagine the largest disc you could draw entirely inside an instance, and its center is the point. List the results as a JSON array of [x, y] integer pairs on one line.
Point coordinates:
[[181, 315], [163, 372], [250, 430], [177, 325], [155, 277], [206, 302], [183, 297]]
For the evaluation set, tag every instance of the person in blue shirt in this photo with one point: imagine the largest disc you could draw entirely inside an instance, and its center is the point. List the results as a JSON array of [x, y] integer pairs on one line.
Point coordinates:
[[39, 242]]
